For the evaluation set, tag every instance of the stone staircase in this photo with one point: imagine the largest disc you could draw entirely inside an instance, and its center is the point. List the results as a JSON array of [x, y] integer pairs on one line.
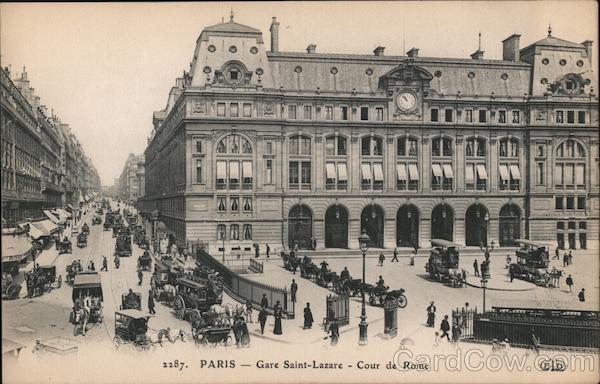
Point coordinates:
[[402, 252]]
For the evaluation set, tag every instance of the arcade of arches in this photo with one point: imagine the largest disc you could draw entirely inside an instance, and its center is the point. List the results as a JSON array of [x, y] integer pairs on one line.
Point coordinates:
[[336, 231]]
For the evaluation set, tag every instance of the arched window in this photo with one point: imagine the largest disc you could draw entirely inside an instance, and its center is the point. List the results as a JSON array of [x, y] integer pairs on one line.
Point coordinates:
[[336, 174], [475, 171], [372, 163], [569, 168], [234, 163], [407, 166], [441, 164], [300, 164]]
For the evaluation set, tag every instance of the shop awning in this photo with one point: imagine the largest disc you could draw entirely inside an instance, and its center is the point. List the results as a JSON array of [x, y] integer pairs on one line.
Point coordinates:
[[49, 226], [330, 171], [51, 216], [401, 171], [221, 170], [481, 172], [413, 172], [514, 171], [69, 207], [469, 176], [62, 214], [247, 169], [15, 247], [366, 171], [34, 232], [437, 170], [504, 173], [448, 174], [342, 174]]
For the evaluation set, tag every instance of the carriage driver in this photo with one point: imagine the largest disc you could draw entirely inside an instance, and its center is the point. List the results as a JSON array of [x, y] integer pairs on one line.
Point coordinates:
[[380, 282], [345, 275], [324, 266]]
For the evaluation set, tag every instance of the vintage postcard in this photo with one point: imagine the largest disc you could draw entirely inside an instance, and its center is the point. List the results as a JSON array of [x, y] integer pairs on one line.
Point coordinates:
[[300, 192]]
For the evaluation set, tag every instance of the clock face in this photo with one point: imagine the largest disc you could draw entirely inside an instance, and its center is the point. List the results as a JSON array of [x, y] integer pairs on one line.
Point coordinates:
[[406, 101]]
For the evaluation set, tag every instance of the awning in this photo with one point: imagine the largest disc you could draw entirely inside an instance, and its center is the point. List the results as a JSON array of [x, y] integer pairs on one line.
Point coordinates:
[[437, 170], [221, 170], [401, 171], [366, 171], [15, 247], [481, 171], [34, 232], [413, 172], [234, 170], [62, 214], [378, 171], [448, 174], [342, 174], [51, 216], [69, 207], [504, 173], [469, 176], [330, 170], [514, 171], [49, 226], [247, 169]]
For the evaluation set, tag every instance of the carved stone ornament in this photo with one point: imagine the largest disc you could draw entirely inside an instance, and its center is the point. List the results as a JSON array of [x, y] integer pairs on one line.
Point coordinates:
[[269, 108], [198, 106], [540, 115]]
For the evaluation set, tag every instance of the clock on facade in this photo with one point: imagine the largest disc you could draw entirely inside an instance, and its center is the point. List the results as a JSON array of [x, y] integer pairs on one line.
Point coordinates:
[[406, 101]]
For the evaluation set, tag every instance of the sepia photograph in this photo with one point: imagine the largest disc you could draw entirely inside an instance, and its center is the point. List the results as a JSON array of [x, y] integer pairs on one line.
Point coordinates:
[[300, 192]]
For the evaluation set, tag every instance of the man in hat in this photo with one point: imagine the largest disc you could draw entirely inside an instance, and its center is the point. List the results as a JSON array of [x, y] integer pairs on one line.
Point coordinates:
[[262, 318], [308, 317]]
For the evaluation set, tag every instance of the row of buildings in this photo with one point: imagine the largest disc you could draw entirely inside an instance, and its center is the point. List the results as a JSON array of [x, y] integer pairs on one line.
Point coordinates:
[[297, 148], [43, 164], [130, 185]]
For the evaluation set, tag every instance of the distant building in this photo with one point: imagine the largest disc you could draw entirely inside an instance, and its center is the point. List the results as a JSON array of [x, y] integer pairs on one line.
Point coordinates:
[[258, 146], [129, 183]]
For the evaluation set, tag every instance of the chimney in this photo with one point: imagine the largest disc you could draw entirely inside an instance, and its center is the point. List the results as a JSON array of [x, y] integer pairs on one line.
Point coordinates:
[[312, 48], [477, 55], [378, 51], [414, 52], [274, 35], [510, 48], [588, 49]]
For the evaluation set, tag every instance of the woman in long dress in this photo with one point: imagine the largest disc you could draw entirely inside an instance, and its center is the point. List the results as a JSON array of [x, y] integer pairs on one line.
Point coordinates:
[[278, 313], [308, 317]]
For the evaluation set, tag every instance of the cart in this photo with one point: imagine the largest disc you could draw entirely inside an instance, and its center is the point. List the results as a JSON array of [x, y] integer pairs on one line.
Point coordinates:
[[86, 287], [132, 300], [443, 260], [64, 246], [131, 327], [10, 290], [82, 240], [213, 336], [49, 274], [145, 261]]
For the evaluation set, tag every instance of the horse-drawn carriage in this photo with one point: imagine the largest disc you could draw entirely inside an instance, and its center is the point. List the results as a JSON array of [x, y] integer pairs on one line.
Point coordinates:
[[10, 290], [379, 294], [164, 278], [131, 300], [85, 228], [123, 245], [443, 260], [48, 272], [196, 294], [82, 240], [290, 261], [72, 270], [108, 221], [145, 261], [308, 269], [131, 327], [209, 328], [96, 219], [64, 246], [87, 301], [532, 264]]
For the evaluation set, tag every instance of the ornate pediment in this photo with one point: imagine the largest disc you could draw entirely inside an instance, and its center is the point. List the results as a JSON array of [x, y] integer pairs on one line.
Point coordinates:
[[233, 74], [569, 84], [407, 73]]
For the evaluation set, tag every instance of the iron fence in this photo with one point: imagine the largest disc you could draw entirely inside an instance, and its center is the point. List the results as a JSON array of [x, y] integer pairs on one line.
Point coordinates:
[[338, 309]]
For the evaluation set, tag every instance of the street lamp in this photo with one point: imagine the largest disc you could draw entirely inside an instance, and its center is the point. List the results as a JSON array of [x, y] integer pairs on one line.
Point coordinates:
[[363, 241], [484, 287]]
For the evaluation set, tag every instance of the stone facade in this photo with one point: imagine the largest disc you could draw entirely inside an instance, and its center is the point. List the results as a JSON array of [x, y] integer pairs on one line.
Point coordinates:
[[287, 148]]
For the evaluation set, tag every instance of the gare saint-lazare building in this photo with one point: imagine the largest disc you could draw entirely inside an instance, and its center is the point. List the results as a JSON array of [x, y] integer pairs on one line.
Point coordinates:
[[261, 146]]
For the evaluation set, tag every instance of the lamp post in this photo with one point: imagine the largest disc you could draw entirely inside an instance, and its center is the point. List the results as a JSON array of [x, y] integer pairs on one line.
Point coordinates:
[[484, 287], [363, 241], [486, 248]]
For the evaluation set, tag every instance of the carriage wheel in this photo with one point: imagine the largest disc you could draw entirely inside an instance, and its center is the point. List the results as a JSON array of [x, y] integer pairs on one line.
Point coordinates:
[[117, 341], [179, 305], [13, 291], [402, 301]]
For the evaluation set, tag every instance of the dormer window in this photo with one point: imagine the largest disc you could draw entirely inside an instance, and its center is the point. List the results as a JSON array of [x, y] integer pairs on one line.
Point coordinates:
[[233, 74]]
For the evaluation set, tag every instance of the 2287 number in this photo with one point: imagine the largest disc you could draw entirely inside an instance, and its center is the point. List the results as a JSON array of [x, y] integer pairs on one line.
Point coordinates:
[[176, 364]]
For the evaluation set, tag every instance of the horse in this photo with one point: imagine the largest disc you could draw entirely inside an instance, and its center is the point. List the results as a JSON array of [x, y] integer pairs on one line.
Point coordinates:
[[223, 312], [80, 321]]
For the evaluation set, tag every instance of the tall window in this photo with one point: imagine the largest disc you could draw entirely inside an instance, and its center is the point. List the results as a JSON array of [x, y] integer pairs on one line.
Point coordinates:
[[560, 117], [581, 117], [234, 164], [328, 112], [221, 204], [220, 109], [247, 204], [372, 163], [540, 174], [569, 169], [379, 111], [468, 115], [247, 110], [198, 171], [234, 231], [516, 117], [336, 173], [482, 115], [292, 112], [441, 166], [269, 171], [233, 109], [344, 112], [448, 113], [307, 112], [434, 114], [407, 172], [510, 175], [300, 162], [372, 146], [364, 113], [234, 203], [221, 231], [501, 117], [247, 232], [475, 164]]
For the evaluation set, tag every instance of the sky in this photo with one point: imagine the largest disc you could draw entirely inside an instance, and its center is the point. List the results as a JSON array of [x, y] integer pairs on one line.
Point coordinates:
[[105, 67]]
